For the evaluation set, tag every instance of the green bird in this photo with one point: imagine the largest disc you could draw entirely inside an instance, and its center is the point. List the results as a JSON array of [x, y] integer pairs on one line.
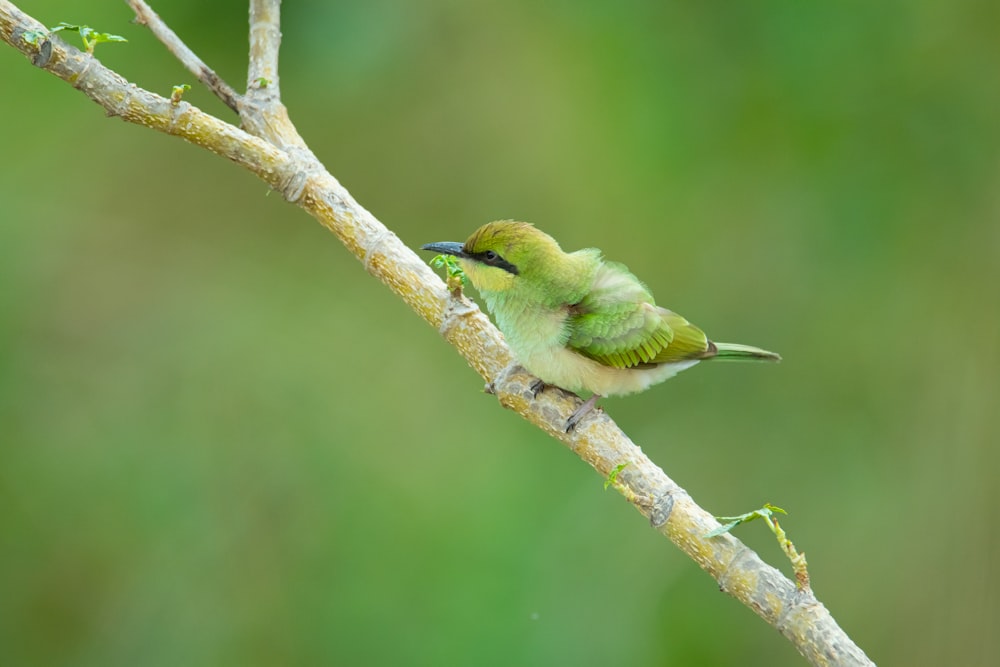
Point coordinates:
[[579, 322]]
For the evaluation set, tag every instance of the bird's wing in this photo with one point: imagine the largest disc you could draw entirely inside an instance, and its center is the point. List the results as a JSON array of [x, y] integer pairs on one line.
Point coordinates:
[[617, 324]]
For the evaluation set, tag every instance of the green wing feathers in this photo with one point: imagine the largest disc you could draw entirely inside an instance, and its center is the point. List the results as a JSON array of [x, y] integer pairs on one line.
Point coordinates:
[[689, 342], [618, 324]]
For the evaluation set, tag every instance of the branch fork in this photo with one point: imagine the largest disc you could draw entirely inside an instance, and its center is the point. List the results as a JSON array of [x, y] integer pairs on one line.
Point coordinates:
[[269, 146]]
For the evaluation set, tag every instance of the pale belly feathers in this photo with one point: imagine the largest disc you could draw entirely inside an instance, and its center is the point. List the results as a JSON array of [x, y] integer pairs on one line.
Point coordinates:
[[545, 355]]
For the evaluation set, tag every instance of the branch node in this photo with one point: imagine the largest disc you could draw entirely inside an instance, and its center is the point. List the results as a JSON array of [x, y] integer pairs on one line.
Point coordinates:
[[81, 83], [457, 309], [176, 112], [501, 379], [44, 54], [663, 506], [731, 575], [267, 26], [295, 185], [372, 247]]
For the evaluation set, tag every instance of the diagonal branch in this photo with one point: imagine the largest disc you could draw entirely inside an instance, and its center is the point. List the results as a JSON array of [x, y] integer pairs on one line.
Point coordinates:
[[144, 15], [272, 149]]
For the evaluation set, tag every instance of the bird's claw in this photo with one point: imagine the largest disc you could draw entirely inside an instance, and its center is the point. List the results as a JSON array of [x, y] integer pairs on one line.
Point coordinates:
[[537, 387], [581, 412]]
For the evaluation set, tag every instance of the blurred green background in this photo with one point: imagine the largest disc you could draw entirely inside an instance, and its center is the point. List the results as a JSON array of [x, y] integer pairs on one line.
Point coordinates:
[[223, 443]]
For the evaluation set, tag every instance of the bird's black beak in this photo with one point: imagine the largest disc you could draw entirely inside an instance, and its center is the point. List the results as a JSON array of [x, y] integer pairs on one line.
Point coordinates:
[[446, 248]]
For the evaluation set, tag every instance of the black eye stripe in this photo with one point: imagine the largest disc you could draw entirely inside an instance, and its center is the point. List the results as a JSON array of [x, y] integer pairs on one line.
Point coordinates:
[[493, 258]]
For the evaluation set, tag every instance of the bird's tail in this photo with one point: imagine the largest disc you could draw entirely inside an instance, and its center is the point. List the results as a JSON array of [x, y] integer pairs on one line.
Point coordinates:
[[738, 352]]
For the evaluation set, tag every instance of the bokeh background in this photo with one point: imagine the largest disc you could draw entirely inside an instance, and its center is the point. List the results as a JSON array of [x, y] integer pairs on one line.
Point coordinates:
[[223, 443]]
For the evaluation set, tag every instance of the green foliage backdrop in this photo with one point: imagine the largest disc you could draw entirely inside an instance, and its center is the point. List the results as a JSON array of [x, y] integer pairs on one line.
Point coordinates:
[[221, 443]]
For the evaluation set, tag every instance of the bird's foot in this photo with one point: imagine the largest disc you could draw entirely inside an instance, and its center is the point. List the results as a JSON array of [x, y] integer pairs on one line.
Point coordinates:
[[581, 412], [537, 387]]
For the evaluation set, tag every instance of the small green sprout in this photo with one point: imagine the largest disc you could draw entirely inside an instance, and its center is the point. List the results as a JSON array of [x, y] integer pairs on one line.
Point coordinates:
[[90, 37], [613, 475], [178, 93], [730, 522], [262, 82], [456, 278], [767, 512]]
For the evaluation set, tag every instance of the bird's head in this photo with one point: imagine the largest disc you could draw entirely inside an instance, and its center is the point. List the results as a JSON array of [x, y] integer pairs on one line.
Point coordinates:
[[500, 255]]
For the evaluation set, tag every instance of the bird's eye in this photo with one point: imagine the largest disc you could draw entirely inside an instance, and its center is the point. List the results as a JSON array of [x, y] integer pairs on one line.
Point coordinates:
[[493, 258]]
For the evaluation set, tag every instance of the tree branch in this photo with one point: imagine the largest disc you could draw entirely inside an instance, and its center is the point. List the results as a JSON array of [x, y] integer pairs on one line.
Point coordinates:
[[144, 15], [271, 148], [265, 39]]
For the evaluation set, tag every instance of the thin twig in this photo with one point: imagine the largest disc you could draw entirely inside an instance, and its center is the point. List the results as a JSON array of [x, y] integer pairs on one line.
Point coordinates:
[[265, 40], [144, 15], [261, 110], [294, 171]]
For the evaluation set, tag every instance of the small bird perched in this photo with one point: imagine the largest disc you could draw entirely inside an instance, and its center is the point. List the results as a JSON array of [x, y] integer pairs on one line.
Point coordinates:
[[577, 321]]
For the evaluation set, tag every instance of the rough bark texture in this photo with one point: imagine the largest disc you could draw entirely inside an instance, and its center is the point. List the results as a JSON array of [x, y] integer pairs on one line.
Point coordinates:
[[272, 148]]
